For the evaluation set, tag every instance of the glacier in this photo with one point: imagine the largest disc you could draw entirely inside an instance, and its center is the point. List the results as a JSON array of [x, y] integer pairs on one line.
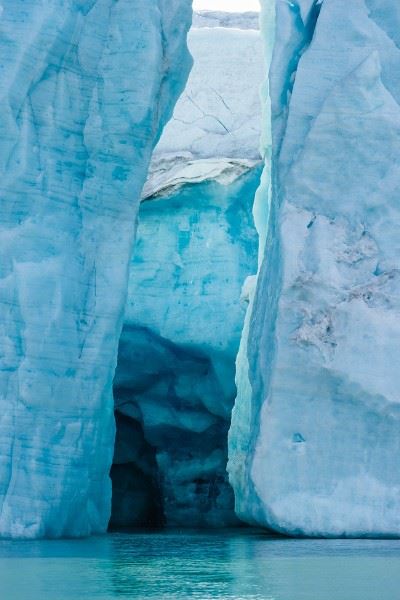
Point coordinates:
[[196, 244], [219, 113], [315, 432], [86, 88], [119, 369]]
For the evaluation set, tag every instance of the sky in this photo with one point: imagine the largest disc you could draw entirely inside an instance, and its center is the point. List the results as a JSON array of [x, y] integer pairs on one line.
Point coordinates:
[[228, 5]]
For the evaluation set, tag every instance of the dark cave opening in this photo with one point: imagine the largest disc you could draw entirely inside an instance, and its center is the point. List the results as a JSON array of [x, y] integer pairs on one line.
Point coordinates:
[[170, 450], [136, 498]]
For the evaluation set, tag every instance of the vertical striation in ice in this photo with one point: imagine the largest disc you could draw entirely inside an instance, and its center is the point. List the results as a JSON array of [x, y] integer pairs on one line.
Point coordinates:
[[86, 87], [315, 435]]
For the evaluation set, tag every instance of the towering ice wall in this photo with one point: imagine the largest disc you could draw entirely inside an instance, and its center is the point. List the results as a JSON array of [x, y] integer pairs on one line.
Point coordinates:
[[315, 436], [86, 87], [196, 244]]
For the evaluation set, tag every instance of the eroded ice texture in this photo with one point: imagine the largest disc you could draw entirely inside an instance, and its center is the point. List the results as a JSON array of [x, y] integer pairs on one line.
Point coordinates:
[[315, 438], [176, 367], [85, 89]]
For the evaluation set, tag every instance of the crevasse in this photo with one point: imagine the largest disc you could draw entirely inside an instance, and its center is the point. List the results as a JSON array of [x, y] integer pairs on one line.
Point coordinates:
[[196, 244], [86, 87]]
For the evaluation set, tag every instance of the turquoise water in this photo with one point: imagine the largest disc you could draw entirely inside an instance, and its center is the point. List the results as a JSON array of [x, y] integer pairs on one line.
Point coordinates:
[[239, 565]]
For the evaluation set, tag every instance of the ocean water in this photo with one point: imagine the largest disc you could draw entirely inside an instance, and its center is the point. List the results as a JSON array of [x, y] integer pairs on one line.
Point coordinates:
[[235, 565]]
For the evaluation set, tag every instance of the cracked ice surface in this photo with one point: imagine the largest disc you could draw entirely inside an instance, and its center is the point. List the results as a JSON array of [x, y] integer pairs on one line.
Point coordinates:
[[315, 438], [86, 88], [215, 130], [219, 113]]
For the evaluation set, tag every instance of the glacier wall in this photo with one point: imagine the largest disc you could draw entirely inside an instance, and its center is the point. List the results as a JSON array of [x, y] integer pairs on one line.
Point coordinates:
[[315, 434], [86, 87]]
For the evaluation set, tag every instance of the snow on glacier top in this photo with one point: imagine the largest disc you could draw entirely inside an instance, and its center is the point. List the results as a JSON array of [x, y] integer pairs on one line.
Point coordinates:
[[218, 116]]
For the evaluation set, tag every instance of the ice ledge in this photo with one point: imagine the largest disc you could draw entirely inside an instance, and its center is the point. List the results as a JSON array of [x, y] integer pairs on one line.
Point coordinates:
[[170, 173], [210, 18]]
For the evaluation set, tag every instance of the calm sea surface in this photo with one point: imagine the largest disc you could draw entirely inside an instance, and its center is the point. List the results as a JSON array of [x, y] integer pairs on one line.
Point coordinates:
[[239, 565]]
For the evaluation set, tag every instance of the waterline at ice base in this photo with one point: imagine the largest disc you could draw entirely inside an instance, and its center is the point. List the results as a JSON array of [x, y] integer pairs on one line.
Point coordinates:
[[204, 332]]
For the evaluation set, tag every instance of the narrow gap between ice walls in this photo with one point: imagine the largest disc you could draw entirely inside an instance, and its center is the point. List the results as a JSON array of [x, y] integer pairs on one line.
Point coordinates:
[[244, 413], [196, 245]]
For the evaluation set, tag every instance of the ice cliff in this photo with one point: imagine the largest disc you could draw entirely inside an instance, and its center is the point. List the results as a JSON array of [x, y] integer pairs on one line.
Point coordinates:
[[315, 434], [86, 87], [196, 244]]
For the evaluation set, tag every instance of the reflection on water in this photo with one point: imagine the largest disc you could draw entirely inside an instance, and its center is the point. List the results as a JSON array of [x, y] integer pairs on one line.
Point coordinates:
[[235, 565]]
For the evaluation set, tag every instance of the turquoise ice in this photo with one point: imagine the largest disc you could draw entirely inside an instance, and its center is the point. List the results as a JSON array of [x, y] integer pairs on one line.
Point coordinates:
[[315, 434], [86, 87], [175, 380]]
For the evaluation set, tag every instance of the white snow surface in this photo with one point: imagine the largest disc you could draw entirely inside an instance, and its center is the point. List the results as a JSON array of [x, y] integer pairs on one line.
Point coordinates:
[[175, 171], [218, 116]]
